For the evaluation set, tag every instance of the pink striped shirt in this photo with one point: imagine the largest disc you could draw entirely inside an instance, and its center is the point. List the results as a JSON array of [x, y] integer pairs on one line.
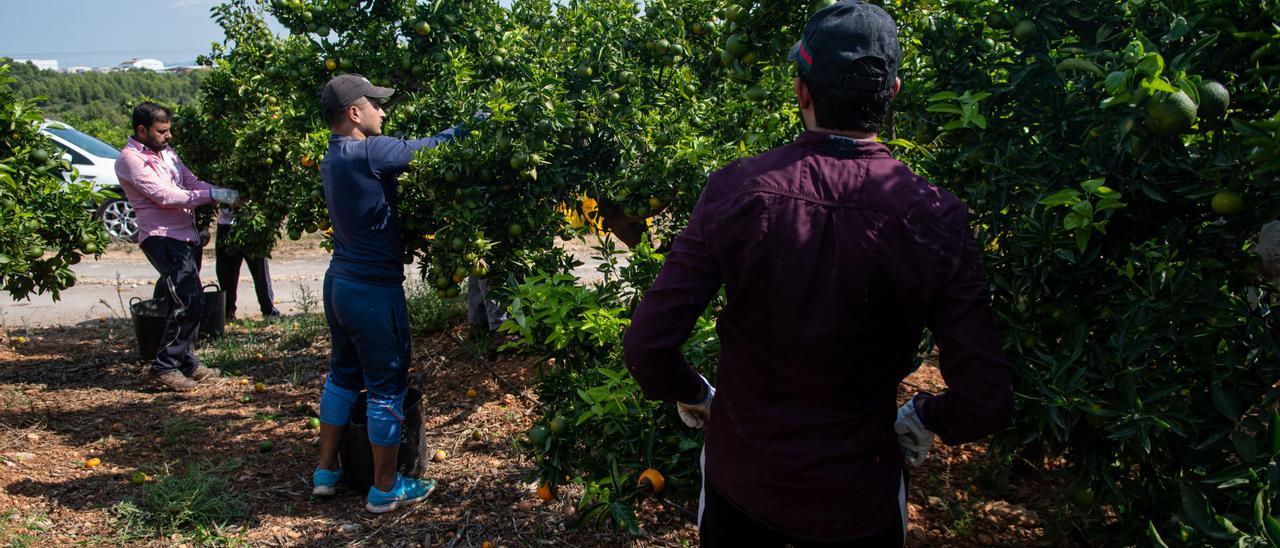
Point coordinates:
[[163, 192]]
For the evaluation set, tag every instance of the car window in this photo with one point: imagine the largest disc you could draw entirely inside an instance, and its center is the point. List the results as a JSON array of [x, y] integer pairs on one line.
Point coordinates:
[[76, 158], [85, 141]]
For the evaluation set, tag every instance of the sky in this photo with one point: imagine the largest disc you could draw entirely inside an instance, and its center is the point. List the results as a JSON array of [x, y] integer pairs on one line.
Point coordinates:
[[106, 32], [101, 33]]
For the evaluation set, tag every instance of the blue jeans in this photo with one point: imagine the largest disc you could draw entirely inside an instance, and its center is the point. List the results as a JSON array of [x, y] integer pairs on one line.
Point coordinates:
[[369, 326]]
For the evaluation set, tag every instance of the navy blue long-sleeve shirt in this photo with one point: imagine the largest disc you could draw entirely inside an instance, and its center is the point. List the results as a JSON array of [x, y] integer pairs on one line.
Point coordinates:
[[360, 190], [834, 257]]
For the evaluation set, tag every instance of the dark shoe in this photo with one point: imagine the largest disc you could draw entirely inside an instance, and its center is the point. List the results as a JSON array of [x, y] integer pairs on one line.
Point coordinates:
[[201, 373], [272, 314], [174, 380]]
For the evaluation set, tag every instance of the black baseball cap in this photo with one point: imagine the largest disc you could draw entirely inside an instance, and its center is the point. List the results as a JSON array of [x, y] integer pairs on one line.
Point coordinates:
[[343, 90], [849, 44]]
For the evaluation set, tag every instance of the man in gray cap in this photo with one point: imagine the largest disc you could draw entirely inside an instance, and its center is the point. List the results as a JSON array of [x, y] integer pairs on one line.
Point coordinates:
[[834, 257], [364, 300]]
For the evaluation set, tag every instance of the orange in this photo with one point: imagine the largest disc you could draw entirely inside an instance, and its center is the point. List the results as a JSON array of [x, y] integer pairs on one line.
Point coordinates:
[[307, 161], [471, 393], [1227, 202], [544, 491], [488, 544], [93, 462], [440, 455], [651, 481]]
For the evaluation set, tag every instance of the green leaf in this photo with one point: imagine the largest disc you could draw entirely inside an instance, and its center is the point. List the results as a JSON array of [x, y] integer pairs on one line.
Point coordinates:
[[1061, 197], [1121, 99], [1152, 193], [1226, 524], [1158, 84], [1082, 242], [1272, 528], [1246, 446], [1075, 220], [1109, 204], [1151, 64], [1085, 209], [1155, 536], [1079, 64], [625, 517], [1260, 510], [943, 96], [1177, 30], [944, 107], [1275, 434], [1197, 513], [1235, 471], [1224, 401]]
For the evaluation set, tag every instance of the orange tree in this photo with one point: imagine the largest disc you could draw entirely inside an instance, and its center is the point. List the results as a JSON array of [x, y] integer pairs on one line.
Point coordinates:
[[46, 223], [1117, 160]]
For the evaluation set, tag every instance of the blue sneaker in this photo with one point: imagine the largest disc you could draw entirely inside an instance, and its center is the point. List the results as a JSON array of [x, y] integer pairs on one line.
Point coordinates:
[[325, 482], [406, 491]]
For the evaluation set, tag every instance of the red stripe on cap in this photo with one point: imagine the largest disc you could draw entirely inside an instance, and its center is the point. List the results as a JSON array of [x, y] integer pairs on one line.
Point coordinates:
[[804, 53]]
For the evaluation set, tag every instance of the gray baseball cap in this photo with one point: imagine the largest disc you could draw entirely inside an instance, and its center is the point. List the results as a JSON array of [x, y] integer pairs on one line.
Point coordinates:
[[344, 90]]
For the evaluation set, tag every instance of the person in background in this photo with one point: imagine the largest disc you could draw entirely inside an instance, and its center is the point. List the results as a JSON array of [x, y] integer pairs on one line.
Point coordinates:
[[834, 257], [228, 270], [164, 195]]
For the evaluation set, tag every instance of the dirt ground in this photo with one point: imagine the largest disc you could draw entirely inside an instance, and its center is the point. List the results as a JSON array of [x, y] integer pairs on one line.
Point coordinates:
[[72, 393]]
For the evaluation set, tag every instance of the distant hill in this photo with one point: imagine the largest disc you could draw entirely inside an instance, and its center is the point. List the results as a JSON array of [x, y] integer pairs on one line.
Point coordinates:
[[97, 102]]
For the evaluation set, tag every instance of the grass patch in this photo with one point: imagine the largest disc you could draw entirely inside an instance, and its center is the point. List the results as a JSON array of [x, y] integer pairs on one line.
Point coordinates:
[[298, 332], [174, 430], [266, 417], [428, 313], [197, 504], [12, 399], [21, 531], [234, 351], [254, 341]]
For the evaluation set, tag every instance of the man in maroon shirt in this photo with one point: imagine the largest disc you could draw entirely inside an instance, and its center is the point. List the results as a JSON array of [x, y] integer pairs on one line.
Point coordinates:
[[834, 258]]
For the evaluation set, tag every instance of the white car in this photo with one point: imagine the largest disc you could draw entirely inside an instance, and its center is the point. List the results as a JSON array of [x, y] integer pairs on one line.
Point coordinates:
[[96, 162]]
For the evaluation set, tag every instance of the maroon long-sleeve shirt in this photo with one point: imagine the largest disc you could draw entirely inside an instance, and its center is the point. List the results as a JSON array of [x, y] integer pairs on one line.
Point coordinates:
[[834, 256]]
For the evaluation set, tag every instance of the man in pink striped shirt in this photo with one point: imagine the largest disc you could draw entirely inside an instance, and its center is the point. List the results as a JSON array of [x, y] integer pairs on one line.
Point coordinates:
[[164, 193]]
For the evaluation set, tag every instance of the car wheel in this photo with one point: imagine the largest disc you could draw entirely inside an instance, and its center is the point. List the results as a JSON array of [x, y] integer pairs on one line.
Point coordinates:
[[119, 220]]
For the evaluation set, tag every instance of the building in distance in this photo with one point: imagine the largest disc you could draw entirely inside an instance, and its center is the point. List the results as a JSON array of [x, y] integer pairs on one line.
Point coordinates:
[[42, 64], [145, 64]]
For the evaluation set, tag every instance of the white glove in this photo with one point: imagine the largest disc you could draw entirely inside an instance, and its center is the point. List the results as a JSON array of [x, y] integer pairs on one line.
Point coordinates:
[[482, 115], [225, 196], [697, 415], [1269, 249], [913, 437]]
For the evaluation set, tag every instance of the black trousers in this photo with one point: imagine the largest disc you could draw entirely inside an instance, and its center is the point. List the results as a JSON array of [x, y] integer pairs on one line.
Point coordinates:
[[724, 525], [228, 269], [179, 286]]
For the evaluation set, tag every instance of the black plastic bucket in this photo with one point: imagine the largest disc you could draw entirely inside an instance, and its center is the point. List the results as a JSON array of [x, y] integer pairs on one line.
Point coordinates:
[[357, 456], [213, 316], [148, 325]]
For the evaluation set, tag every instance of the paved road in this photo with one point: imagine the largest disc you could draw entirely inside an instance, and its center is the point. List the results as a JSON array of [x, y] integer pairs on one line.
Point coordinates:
[[105, 286]]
